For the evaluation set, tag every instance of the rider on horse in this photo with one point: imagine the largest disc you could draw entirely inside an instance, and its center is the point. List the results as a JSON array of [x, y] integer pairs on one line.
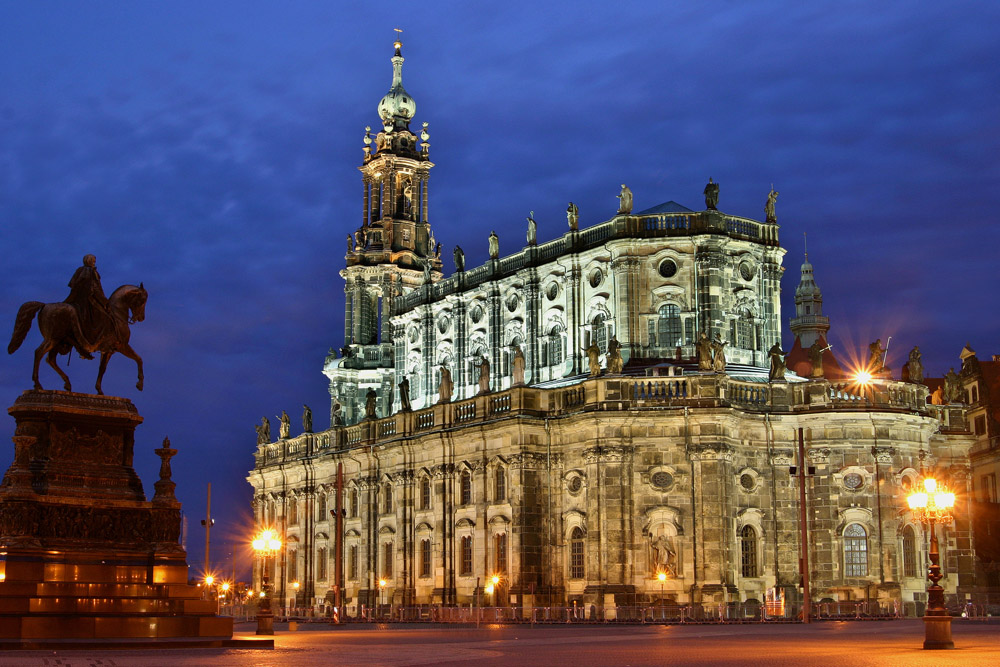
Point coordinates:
[[87, 296]]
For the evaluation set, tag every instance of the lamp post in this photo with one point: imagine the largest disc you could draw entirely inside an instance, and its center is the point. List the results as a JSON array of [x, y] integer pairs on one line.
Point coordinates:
[[381, 602], [933, 505], [265, 545], [661, 577]]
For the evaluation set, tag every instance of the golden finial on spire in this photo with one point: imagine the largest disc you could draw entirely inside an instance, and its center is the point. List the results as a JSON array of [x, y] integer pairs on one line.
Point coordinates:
[[398, 43]]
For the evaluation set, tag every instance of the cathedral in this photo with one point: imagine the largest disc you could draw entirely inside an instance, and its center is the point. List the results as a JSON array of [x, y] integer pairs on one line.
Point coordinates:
[[605, 419]]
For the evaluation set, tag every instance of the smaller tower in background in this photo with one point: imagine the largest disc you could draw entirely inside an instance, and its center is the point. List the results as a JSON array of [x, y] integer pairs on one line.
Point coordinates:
[[809, 323]]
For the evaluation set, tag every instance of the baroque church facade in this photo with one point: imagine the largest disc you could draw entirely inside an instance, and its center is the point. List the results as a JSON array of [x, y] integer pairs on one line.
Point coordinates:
[[580, 416]]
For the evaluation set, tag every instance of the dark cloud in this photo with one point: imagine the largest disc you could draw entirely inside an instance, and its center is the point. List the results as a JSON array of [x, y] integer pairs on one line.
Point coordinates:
[[211, 151]]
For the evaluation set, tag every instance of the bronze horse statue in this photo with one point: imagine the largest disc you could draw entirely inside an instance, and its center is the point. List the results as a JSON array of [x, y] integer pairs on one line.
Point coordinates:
[[59, 324]]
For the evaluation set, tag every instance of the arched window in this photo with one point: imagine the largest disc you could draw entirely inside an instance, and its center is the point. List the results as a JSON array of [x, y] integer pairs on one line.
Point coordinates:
[[500, 485], [909, 552], [353, 496], [425, 493], [556, 346], [466, 556], [386, 498], [465, 489], [293, 512], [321, 507], [387, 557], [748, 551], [855, 551], [599, 331], [669, 332], [321, 563], [352, 562], [745, 331], [293, 565], [576, 569], [425, 558], [500, 552]]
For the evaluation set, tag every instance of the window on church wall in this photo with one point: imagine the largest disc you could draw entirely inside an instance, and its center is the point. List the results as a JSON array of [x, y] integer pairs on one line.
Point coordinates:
[[321, 563], [425, 493], [466, 556], [500, 552], [353, 498], [425, 558], [352, 562], [599, 331], [387, 499], [745, 331], [293, 513], [293, 565], [669, 330], [465, 489], [500, 485], [980, 425], [576, 567], [748, 552], [855, 551], [321, 507], [387, 558], [909, 552]]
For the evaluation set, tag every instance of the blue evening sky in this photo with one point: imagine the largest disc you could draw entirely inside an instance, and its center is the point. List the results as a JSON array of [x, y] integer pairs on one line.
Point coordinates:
[[210, 150]]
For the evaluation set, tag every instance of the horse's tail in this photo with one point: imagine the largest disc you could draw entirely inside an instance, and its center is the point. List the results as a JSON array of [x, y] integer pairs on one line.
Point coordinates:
[[22, 325]]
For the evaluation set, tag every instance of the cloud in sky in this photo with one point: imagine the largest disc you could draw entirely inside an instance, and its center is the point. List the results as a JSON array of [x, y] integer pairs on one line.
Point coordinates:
[[211, 151]]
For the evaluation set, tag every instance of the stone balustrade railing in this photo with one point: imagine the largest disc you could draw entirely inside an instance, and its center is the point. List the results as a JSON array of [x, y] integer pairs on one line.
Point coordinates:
[[619, 393]]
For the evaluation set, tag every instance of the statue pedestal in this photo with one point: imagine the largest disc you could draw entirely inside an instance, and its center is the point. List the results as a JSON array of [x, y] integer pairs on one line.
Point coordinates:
[[84, 557]]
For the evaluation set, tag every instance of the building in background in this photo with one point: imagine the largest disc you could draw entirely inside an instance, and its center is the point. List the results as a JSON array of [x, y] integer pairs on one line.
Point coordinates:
[[579, 416]]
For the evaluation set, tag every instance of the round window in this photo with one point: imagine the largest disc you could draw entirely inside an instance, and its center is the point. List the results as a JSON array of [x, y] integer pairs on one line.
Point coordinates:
[[512, 302], [668, 268], [476, 313], [443, 323], [853, 480], [746, 271], [596, 277], [414, 334], [747, 481], [662, 480], [575, 484], [552, 291]]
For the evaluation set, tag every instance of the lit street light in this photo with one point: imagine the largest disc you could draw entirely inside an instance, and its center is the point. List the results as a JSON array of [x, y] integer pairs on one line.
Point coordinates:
[[933, 505], [265, 545], [381, 591]]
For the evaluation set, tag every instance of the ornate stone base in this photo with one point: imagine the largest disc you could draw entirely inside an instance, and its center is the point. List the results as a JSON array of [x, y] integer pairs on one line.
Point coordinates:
[[84, 557], [937, 632]]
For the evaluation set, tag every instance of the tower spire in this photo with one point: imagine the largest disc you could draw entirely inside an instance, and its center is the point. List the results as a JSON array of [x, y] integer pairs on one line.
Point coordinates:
[[809, 323]]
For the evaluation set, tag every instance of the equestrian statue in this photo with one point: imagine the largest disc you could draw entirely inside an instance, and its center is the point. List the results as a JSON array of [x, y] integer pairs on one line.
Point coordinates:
[[86, 321]]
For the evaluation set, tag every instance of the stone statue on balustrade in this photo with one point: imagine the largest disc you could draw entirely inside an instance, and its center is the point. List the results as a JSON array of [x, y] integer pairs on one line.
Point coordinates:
[[915, 366], [350, 244], [625, 199], [777, 370], [769, 212], [532, 229], [263, 431], [704, 350], [719, 354], [518, 366], [307, 419], [285, 426], [427, 271], [371, 398], [484, 376], [404, 395], [446, 386], [712, 195], [459, 259], [494, 245], [615, 362], [573, 217], [337, 413], [876, 358], [952, 387], [816, 359], [594, 359]]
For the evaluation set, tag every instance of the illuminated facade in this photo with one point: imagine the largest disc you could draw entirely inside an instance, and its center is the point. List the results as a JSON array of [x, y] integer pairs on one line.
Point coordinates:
[[584, 488]]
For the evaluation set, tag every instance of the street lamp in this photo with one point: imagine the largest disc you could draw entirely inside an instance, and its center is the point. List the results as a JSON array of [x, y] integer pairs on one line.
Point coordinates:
[[381, 591], [933, 505], [265, 545]]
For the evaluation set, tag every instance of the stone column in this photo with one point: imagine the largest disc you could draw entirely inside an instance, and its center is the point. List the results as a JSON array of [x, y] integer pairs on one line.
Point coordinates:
[[574, 308], [533, 333]]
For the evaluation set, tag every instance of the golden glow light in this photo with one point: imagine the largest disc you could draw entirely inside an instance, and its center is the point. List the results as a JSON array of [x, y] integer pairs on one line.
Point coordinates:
[[381, 583], [662, 576], [862, 377], [933, 503], [266, 541], [489, 589], [209, 580], [496, 580], [295, 585], [225, 586]]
